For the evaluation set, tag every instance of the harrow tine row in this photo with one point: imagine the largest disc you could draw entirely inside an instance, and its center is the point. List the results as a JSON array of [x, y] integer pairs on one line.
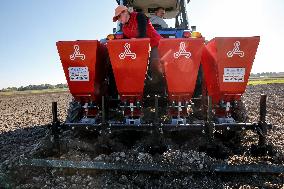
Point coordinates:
[[145, 167]]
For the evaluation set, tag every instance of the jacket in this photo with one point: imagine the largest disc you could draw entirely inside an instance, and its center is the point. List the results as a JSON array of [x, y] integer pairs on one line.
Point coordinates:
[[139, 26]]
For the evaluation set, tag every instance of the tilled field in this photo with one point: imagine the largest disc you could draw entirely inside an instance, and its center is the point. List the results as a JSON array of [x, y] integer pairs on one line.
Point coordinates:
[[22, 117]]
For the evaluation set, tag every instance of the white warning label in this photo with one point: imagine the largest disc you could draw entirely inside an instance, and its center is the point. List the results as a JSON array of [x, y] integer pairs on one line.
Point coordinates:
[[78, 73], [234, 74]]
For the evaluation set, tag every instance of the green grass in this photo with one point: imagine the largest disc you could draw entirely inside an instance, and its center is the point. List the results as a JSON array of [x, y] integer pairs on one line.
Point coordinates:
[[264, 81], [33, 92]]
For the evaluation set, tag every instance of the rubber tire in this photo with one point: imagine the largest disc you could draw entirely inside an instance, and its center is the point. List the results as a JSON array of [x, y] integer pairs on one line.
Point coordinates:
[[74, 112]]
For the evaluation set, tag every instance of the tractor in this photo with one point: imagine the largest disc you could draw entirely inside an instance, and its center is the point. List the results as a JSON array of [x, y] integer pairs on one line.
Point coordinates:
[[114, 97]]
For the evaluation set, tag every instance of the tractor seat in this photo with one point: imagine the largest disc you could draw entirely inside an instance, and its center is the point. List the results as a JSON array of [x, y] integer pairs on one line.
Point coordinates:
[[157, 26]]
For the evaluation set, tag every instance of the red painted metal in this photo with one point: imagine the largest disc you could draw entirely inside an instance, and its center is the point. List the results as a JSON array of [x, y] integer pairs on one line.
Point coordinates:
[[129, 59], [181, 59], [227, 63], [84, 68]]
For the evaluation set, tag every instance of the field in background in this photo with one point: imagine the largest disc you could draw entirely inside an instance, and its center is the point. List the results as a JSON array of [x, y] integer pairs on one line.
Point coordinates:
[[265, 80], [43, 91], [252, 81]]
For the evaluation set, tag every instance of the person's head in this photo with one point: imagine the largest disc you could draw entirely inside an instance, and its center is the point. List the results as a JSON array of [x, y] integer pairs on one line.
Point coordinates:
[[160, 12], [121, 14]]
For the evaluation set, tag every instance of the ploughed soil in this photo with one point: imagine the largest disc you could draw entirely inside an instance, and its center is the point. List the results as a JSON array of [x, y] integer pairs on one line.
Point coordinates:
[[22, 127]]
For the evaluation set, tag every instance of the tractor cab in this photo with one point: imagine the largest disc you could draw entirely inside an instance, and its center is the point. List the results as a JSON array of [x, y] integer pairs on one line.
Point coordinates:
[[175, 17]]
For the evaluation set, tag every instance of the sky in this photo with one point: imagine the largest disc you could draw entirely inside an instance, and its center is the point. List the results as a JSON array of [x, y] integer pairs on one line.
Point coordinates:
[[29, 30]]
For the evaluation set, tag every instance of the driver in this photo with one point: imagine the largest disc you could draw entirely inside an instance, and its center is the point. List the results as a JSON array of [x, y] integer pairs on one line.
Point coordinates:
[[137, 25], [157, 19]]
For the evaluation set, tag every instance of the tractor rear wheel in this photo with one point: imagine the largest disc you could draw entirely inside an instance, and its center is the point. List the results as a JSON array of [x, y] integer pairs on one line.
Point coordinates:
[[74, 112], [240, 112]]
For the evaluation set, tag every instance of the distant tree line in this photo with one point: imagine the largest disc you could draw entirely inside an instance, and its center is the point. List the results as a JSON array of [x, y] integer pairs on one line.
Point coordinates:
[[268, 74], [35, 87]]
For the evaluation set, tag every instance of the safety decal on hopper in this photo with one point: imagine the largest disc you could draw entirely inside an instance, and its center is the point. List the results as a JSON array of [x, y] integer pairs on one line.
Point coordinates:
[[234, 74], [78, 73]]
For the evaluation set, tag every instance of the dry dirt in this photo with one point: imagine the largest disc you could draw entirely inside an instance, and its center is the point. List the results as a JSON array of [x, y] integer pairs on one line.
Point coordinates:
[[21, 127]]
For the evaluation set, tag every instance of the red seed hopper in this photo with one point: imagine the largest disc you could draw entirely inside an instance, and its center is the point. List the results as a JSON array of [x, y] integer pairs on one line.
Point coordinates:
[[84, 68], [227, 62]]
